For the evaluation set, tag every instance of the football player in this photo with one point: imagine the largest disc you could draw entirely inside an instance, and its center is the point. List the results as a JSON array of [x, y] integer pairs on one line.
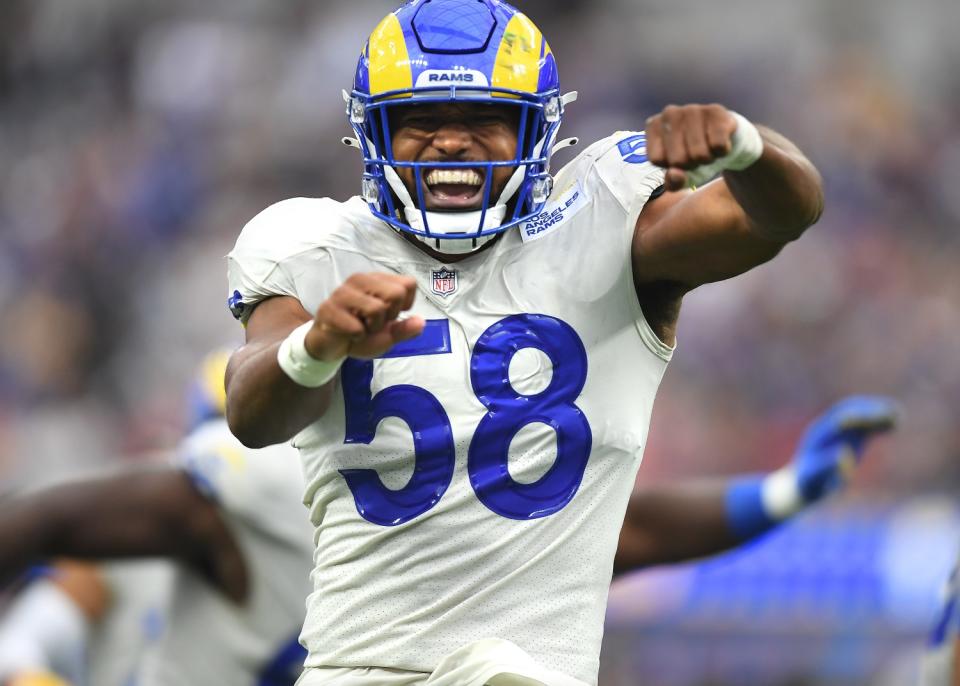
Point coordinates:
[[234, 520], [467, 354], [40, 635]]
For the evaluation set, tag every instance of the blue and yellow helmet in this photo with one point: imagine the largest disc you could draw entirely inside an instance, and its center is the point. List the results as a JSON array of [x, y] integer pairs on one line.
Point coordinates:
[[478, 51]]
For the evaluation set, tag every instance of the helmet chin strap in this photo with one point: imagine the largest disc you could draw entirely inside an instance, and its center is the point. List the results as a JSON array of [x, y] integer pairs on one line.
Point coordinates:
[[441, 223]]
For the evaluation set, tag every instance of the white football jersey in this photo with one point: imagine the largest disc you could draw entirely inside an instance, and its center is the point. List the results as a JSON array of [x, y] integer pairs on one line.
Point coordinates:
[[472, 483], [940, 658], [208, 638], [134, 622]]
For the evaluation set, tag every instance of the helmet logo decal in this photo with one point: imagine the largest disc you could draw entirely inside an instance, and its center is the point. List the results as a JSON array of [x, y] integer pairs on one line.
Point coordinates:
[[443, 282], [454, 77]]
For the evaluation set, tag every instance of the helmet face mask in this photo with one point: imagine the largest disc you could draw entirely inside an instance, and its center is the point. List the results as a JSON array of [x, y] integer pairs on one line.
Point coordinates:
[[468, 52]]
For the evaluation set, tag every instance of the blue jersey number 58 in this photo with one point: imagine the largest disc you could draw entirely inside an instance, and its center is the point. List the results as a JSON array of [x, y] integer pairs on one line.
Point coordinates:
[[508, 411]]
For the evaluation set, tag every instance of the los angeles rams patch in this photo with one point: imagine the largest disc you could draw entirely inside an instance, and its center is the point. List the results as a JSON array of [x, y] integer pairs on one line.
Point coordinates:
[[555, 214]]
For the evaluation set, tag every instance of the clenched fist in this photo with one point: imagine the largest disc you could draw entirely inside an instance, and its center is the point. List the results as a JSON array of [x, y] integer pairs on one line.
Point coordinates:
[[684, 137], [360, 318]]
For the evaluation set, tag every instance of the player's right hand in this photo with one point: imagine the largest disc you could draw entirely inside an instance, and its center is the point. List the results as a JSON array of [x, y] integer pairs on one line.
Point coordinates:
[[361, 318]]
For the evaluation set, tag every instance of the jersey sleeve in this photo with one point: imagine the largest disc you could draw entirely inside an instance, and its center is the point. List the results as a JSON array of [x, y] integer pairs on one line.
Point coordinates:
[[257, 487], [617, 168], [258, 267]]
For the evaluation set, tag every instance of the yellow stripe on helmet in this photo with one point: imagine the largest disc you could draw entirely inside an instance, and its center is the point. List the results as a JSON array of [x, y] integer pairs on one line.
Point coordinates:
[[212, 371], [389, 65], [517, 66]]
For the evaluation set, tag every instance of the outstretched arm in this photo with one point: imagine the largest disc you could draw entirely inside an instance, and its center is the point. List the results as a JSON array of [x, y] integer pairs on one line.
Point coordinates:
[[156, 512], [768, 194], [686, 521], [268, 403]]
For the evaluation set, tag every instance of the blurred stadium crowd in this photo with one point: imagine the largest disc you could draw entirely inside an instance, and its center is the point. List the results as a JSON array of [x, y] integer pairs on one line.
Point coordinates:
[[138, 137]]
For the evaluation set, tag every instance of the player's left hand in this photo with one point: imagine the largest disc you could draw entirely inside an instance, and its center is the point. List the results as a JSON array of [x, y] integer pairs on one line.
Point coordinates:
[[684, 137], [834, 443]]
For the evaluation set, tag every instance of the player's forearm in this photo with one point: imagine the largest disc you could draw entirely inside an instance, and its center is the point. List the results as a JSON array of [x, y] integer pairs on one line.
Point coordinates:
[[22, 537], [46, 525], [131, 514], [781, 193], [673, 524], [264, 406]]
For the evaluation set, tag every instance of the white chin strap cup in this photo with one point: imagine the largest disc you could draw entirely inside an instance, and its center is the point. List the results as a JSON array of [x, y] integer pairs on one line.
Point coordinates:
[[456, 222]]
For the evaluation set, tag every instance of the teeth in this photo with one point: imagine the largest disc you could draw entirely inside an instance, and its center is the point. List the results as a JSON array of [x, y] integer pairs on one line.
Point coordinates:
[[456, 177]]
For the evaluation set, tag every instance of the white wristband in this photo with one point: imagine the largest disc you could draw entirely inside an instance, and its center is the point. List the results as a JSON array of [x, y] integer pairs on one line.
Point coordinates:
[[746, 147], [780, 494], [299, 365]]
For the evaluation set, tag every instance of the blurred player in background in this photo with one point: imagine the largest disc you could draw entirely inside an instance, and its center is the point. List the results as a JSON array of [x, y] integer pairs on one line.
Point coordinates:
[[88, 624], [40, 635], [234, 520], [469, 465], [46, 629], [941, 662]]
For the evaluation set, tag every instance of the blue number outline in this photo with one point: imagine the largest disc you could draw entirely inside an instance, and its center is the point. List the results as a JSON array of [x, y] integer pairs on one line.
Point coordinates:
[[434, 452], [633, 149], [508, 412]]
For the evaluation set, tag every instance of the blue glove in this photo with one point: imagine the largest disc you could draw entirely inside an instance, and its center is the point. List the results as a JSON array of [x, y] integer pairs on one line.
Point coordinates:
[[825, 459]]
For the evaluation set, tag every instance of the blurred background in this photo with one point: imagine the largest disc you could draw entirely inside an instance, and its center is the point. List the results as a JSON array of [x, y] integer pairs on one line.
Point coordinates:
[[137, 138]]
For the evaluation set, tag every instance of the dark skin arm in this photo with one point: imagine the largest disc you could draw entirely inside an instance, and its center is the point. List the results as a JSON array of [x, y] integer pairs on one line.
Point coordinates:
[[677, 522], [257, 387], [359, 319], [156, 513], [674, 524], [686, 238]]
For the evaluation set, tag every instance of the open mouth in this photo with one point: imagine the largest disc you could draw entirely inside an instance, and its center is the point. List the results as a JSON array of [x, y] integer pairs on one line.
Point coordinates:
[[453, 189]]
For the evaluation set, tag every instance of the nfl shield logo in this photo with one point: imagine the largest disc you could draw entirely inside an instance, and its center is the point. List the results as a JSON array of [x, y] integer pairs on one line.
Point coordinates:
[[444, 282]]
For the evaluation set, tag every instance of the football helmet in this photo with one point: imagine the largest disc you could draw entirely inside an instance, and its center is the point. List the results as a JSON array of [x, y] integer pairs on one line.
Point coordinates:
[[474, 51]]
